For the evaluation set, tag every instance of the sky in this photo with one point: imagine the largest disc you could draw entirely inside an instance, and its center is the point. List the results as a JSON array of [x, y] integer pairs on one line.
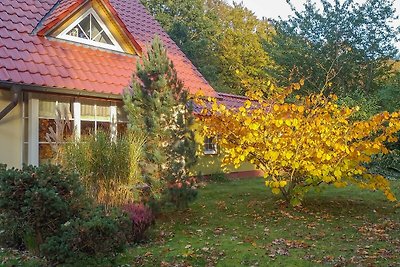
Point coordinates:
[[275, 8]]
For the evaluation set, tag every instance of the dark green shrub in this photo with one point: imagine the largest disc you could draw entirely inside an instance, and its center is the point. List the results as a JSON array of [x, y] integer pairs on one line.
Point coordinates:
[[98, 233], [180, 194], [35, 202]]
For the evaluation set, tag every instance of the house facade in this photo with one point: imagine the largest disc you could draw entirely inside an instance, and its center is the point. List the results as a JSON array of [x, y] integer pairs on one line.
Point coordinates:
[[78, 54]]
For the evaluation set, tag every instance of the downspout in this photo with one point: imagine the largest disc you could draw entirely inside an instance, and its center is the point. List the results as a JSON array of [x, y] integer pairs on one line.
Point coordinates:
[[16, 90]]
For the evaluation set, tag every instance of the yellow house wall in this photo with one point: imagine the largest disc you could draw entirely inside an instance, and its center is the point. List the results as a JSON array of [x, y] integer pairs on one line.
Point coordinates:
[[10, 133], [211, 164]]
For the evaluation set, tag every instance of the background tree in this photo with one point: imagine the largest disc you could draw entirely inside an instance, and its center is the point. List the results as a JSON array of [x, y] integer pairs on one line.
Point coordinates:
[[158, 107], [341, 48], [191, 24], [224, 42], [242, 60]]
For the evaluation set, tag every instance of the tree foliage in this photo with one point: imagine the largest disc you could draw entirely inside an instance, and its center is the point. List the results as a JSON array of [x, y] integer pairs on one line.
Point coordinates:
[[239, 42], [341, 47], [224, 42], [191, 24], [301, 145], [159, 108]]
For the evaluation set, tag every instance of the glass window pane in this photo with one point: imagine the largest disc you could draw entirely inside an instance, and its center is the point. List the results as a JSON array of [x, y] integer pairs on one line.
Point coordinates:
[[47, 108], [45, 153], [77, 32], [103, 38], [103, 112], [98, 33], [46, 124], [85, 26], [96, 28], [210, 145], [104, 126], [87, 127], [25, 154], [48, 105], [88, 111], [44, 128]]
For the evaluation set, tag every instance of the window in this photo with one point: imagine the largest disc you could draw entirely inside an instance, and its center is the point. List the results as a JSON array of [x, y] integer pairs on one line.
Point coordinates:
[[47, 115], [86, 116], [90, 29], [122, 120], [210, 146], [95, 116]]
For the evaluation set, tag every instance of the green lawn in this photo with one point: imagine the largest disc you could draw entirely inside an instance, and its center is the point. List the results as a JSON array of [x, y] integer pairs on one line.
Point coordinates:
[[241, 223]]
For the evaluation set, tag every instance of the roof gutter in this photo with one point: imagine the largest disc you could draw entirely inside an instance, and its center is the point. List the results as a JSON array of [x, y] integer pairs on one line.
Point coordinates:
[[16, 90], [62, 91]]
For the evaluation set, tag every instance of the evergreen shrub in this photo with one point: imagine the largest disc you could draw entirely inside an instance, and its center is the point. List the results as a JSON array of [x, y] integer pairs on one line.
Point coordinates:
[[96, 234], [35, 202]]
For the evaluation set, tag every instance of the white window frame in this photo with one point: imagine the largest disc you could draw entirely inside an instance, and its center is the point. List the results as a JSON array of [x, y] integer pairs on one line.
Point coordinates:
[[33, 130], [210, 152], [31, 121], [64, 34], [95, 118]]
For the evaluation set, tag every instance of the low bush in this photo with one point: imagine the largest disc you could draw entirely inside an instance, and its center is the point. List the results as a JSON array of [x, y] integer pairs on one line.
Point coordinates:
[[141, 218], [98, 233], [180, 194], [35, 202]]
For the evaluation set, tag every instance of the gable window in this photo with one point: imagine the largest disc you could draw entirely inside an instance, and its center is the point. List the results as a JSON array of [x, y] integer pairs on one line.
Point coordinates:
[[210, 146], [90, 29]]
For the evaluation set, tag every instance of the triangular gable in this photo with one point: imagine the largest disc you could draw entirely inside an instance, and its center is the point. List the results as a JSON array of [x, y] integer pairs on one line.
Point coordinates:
[[90, 29], [69, 13]]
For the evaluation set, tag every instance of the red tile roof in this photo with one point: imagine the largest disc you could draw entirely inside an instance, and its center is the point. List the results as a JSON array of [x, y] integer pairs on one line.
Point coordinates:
[[228, 100], [27, 58]]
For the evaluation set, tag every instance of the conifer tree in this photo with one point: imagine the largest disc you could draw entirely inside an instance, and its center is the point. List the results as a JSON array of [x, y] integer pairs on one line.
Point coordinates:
[[159, 107]]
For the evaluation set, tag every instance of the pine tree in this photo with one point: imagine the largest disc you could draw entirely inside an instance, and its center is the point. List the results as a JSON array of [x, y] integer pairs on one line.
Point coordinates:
[[159, 107]]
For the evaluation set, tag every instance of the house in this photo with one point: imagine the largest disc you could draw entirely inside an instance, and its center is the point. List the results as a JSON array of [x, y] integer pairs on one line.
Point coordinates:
[[80, 54]]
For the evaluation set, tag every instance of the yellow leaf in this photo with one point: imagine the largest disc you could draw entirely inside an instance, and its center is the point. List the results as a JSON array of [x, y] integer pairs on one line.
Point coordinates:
[[288, 154], [254, 126], [337, 173], [274, 155], [391, 197], [276, 191]]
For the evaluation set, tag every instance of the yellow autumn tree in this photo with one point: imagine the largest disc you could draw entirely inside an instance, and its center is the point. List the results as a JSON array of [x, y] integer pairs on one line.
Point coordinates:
[[303, 144]]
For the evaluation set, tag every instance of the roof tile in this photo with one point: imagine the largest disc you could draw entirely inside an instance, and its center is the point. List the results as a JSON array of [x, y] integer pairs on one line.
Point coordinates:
[[26, 58]]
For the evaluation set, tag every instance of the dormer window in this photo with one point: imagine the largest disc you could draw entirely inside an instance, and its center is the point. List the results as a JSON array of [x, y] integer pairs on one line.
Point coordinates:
[[90, 29]]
